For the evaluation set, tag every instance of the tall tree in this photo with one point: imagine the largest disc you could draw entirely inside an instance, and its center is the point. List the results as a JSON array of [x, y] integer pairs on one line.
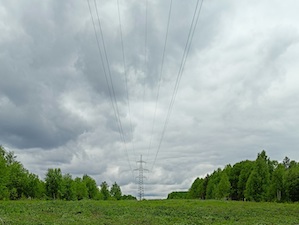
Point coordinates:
[[115, 191], [3, 175], [224, 186], [68, 187], [277, 189], [35, 187], [235, 177], [81, 189], [193, 192], [18, 180], [246, 169], [203, 187], [54, 183], [214, 179], [292, 182], [91, 185], [105, 191], [258, 181]]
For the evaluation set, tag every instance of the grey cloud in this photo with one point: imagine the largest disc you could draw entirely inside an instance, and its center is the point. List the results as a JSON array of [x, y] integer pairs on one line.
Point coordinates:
[[36, 69], [237, 96], [33, 125]]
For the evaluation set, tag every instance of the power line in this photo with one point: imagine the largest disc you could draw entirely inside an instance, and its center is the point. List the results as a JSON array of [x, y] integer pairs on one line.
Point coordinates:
[[126, 75], [112, 86], [160, 77], [145, 69], [106, 67], [103, 64], [111, 94], [180, 72], [109, 73]]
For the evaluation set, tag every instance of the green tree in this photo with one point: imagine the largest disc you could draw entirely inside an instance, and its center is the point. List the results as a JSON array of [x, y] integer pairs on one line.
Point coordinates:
[[246, 169], [234, 179], [214, 179], [203, 187], [194, 192], [54, 183], [277, 189], [128, 197], [253, 189], [224, 186], [91, 185], [81, 189], [18, 180], [68, 187], [115, 191], [258, 181], [105, 194], [292, 182], [2, 152], [10, 158], [35, 187], [178, 195], [3, 175]]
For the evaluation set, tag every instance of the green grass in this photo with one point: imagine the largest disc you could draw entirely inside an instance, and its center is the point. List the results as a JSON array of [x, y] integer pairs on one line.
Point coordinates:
[[147, 212]]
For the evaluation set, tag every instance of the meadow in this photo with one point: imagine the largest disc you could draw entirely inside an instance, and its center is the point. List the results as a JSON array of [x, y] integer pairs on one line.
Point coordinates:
[[147, 212]]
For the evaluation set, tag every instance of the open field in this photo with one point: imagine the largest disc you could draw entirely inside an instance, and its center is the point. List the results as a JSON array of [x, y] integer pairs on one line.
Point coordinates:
[[147, 212]]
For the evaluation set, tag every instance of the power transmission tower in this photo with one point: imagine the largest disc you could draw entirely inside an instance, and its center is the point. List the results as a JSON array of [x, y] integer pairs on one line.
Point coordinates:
[[140, 178]]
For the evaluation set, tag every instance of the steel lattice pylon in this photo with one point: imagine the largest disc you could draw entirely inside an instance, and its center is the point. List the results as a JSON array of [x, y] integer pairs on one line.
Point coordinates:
[[140, 178]]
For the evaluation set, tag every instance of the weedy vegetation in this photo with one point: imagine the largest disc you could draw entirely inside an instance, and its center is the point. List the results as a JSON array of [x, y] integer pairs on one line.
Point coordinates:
[[147, 212]]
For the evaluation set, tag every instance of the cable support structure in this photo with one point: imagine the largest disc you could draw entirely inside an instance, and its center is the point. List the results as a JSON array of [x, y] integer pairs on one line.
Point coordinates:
[[141, 170], [180, 73]]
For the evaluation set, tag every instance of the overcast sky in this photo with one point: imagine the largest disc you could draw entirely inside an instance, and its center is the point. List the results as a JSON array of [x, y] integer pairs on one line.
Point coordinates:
[[238, 95]]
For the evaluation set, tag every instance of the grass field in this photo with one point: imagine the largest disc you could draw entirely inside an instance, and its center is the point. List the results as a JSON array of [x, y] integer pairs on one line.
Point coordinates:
[[147, 212]]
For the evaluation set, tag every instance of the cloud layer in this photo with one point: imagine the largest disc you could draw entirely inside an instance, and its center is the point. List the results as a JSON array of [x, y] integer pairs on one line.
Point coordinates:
[[238, 94]]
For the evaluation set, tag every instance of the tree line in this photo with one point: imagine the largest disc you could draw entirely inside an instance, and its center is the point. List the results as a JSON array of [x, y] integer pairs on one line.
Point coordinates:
[[259, 180], [16, 182]]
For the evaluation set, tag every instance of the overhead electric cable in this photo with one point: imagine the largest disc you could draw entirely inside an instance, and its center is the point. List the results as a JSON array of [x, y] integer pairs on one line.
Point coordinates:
[[180, 72], [112, 95], [112, 86], [145, 63], [102, 61], [126, 75], [100, 52], [160, 77]]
